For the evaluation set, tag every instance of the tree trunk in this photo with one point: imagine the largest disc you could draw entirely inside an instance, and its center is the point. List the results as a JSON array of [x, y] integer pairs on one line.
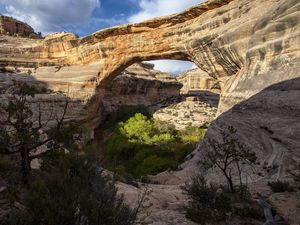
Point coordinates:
[[25, 166], [229, 180], [240, 177]]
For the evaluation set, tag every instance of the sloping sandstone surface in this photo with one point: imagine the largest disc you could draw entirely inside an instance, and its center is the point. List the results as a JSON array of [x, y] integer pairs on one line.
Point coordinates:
[[251, 46]]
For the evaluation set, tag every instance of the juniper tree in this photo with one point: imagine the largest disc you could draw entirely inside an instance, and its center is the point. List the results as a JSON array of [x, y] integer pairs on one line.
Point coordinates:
[[23, 133], [227, 155]]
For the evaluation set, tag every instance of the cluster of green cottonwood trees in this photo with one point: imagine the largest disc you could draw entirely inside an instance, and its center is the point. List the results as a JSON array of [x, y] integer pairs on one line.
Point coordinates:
[[143, 146]]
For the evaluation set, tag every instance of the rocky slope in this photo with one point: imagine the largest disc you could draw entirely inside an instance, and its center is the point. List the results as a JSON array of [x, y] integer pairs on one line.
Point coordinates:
[[188, 111], [252, 47], [11, 26]]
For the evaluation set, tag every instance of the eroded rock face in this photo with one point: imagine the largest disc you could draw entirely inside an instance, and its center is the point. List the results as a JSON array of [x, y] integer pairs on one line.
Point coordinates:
[[242, 43], [11, 26], [197, 80], [250, 46], [139, 84]]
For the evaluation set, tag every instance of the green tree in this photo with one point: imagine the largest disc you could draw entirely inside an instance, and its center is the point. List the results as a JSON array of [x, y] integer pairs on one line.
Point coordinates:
[[143, 146], [192, 134], [227, 154], [73, 190], [137, 128], [20, 132]]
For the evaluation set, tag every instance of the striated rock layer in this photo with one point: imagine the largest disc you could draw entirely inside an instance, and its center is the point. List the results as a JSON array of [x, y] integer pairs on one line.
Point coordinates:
[[242, 43], [251, 46], [11, 26], [139, 84], [197, 80]]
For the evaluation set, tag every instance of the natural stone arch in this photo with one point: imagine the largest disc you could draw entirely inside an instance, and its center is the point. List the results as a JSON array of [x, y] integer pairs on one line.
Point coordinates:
[[109, 75], [171, 37], [226, 38]]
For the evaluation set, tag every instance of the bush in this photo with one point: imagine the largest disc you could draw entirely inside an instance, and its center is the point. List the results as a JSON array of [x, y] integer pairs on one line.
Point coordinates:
[[249, 211], [280, 186], [207, 205], [74, 192], [211, 204]]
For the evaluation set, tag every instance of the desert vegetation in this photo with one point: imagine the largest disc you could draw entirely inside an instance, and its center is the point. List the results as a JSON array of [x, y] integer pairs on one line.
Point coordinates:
[[215, 203], [142, 146], [70, 187], [218, 202]]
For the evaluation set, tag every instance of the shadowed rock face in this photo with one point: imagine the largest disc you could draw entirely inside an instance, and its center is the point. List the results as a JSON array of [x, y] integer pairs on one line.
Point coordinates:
[[139, 84], [251, 46]]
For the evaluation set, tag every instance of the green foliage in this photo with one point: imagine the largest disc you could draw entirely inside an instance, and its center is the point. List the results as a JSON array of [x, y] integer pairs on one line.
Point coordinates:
[[137, 129], [210, 203], [143, 146], [124, 113], [192, 134], [281, 186], [73, 191], [206, 204], [22, 133]]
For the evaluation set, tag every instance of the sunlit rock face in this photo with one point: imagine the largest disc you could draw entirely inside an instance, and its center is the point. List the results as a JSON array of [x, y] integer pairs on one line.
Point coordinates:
[[11, 26], [250, 46], [247, 45], [196, 80]]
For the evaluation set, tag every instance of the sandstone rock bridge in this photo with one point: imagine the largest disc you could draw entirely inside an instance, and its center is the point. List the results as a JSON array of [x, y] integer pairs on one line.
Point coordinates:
[[247, 45], [251, 46]]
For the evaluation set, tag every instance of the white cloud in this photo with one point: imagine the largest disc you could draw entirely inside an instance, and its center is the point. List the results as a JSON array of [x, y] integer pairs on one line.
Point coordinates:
[[51, 15], [174, 67], [155, 8]]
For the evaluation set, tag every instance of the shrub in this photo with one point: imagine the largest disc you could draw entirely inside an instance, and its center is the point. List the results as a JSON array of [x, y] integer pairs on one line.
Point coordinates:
[[206, 204], [13, 194], [192, 134], [228, 154], [74, 192], [211, 204], [249, 211], [280, 186]]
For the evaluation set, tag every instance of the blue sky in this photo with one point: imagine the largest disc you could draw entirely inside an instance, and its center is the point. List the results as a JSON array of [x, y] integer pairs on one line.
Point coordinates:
[[84, 17]]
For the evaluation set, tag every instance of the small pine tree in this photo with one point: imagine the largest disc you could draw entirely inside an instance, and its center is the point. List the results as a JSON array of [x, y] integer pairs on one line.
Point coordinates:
[[20, 133], [228, 154]]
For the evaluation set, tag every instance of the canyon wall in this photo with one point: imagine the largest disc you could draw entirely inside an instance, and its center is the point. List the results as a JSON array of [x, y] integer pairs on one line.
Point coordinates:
[[251, 47], [139, 84], [196, 80], [11, 26], [238, 42]]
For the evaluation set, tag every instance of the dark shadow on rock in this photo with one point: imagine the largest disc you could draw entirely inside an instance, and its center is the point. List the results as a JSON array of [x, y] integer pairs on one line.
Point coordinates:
[[269, 123]]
